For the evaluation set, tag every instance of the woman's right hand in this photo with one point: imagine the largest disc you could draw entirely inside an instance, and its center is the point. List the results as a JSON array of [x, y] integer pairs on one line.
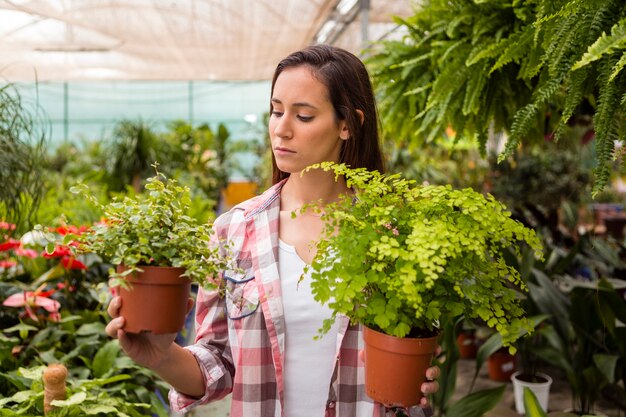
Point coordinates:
[[147, 349]]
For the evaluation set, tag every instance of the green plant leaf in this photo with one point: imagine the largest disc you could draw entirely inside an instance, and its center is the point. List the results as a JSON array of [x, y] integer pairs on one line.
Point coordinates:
[[19, 397], [105, 358], [606, 364], [22, 327], [604, 45], [88, 329], [531, 404], [75, 399], [477, 403], [494, 343], [97, 409]]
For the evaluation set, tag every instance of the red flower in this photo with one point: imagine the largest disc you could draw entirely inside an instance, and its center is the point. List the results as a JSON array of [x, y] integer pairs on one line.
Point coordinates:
[[10, 244], [29, 253], [69, 262], [35, 299], [70, 229], [59, 251]]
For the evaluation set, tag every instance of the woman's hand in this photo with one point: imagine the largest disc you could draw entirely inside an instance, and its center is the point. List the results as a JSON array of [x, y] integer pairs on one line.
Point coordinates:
[[431, 385], [147, 349]]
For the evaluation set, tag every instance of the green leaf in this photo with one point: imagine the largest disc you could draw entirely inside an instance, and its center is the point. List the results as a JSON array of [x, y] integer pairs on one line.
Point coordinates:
[[477, 403], [105, 358], [531, 404], [22, 396], [90, 329], [75, 399], [604, 45], [34, 374], [606, 364], [96, 409], [21, 328]]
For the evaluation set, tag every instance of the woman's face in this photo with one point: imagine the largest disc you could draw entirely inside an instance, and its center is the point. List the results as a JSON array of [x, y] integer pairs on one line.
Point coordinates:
[[303, 127]]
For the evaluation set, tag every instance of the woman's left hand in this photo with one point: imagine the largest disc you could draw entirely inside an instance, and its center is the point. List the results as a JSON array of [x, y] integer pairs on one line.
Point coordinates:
[[431, 385]]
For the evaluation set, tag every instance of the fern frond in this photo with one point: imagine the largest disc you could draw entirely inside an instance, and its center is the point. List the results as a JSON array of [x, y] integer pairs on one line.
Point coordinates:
[[524, 119], [516, 47], [569, 9], [604, 45], [522, 124], [474, 87], [545, 92], [605, 125], [482, 51], [576, 89], [410, 62], [559, 51], [618, 67], [450, 50]]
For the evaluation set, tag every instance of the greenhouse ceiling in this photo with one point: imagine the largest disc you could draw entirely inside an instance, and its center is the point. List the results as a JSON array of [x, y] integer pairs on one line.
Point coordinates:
[[73, 40]]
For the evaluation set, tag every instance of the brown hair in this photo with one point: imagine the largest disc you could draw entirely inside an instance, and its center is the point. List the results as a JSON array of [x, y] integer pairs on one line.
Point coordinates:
[[349, 88]]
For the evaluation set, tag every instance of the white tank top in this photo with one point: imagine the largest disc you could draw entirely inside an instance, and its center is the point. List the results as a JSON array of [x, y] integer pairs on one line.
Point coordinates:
[[308, 363]]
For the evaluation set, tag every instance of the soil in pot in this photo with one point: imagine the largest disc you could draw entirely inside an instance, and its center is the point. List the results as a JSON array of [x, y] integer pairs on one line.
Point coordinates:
[[395, 368], [156, 300], [538, 383]]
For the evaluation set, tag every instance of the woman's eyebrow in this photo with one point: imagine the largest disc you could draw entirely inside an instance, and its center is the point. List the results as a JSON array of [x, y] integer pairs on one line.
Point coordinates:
[[298, 104]]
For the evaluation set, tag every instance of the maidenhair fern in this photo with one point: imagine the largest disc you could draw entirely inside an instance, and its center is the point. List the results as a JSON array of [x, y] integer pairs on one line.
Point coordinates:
[[526, 68]]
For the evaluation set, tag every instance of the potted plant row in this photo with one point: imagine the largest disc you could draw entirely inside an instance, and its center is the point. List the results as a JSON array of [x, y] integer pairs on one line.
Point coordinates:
[[158, 250], [401, 259]]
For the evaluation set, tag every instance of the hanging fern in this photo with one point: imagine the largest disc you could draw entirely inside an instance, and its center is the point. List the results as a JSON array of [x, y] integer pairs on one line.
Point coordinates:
[[524, 68]]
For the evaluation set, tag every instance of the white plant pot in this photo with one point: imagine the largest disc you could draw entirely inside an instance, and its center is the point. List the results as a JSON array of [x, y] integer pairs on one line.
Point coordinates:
[[540, 389]]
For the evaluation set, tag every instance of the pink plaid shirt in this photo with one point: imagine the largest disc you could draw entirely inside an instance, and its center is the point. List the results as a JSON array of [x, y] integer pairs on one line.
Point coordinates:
[[240, 337]]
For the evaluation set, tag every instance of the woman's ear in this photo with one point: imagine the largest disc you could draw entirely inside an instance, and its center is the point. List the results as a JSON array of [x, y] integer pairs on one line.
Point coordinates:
[[361, 116], [345, 132]]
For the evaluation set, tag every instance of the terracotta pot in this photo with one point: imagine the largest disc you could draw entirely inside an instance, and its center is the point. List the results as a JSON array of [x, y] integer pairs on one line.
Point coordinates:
[[467, 343], [156, 301], [501, 365], [395, 368]]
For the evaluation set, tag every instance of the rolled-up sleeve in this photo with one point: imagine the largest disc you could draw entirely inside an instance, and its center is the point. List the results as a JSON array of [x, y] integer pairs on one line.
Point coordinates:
[[212, 352]]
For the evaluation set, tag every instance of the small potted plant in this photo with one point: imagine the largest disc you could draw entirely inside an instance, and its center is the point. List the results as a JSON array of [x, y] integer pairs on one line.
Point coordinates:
[[401, 259], [158, 249]]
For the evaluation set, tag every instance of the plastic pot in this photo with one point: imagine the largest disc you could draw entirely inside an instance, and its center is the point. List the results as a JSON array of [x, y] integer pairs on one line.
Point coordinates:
[[395, 368], [156, 300]]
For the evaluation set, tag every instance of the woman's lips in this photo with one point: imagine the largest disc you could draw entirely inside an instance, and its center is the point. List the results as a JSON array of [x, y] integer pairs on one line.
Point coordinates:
[[283, 151]]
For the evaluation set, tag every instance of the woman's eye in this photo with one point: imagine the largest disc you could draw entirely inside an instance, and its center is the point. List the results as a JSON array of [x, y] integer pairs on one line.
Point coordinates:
[[305, 118], [277, 113]]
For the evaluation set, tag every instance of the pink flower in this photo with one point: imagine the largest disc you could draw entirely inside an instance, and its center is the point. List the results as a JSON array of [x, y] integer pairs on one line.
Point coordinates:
[[34, 299], [7, 226], [10, 244], [29, 253], [69, 262], [7, 264]]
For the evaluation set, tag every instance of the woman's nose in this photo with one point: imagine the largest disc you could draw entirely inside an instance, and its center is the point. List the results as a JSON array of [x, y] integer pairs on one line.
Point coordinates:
[[282, 128]]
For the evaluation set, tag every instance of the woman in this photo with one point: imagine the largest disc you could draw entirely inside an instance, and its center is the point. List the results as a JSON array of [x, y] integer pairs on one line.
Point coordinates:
[[257, 340]]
